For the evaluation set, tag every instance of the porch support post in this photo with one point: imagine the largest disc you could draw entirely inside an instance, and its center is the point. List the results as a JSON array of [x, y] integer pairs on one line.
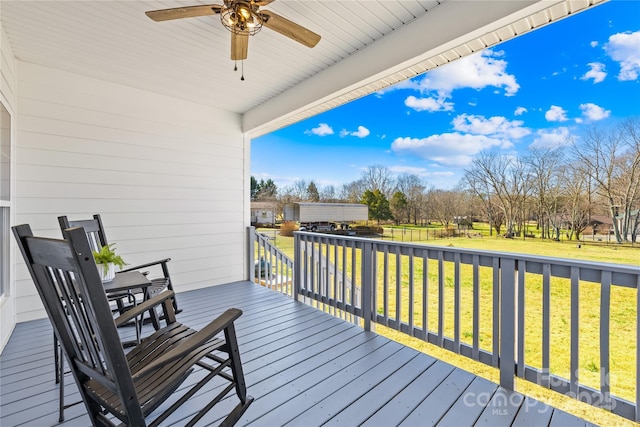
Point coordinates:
[[507, 323]]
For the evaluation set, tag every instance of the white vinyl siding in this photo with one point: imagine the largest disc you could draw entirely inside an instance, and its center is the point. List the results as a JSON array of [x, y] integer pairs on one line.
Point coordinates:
[[167, 176]]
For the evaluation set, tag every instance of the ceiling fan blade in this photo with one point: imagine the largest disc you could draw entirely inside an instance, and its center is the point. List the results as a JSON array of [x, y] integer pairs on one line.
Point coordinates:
[[289, 28], [183, 12], [239, 45]]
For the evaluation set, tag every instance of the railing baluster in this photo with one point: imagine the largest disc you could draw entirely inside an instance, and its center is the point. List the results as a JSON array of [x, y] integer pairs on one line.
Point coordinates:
[[298, 256], [386, 285], [251, 251], [268, 268], [456, 303], [366, 286], [307, 268], [335, 278], [637, 409], [476, 307], [411, 292], [317, 252], [425, 295], [354, 301], [327, 272], [495, 355], [398, 289], [344, 278], [520, 338], [546, 323], [574, 378], [374, 281], [605, 313], [440, 298]]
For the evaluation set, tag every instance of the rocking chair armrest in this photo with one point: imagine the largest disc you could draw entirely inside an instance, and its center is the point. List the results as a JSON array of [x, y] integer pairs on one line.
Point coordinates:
[[145, 265], [143, 306], [193, 342]]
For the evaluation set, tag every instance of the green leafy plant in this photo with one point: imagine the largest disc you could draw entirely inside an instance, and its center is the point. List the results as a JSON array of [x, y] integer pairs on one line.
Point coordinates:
[[108, 255]]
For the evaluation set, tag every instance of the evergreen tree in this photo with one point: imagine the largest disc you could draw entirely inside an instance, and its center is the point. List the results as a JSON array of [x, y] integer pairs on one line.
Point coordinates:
[[399, 205], [378, 205], [313, 195]]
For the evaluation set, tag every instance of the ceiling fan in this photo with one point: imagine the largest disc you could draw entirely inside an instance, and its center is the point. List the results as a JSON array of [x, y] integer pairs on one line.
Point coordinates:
[[243, 18]]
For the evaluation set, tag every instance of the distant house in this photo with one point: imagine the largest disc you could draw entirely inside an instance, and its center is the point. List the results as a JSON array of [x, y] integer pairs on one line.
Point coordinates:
[[599, 224], [263, 213]]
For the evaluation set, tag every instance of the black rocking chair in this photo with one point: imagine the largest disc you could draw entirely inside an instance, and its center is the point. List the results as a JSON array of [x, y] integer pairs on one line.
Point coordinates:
[[98, 238], [118, 387]]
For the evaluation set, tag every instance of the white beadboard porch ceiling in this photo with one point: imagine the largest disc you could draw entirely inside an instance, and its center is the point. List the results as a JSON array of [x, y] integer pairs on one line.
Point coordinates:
[[366, 45]]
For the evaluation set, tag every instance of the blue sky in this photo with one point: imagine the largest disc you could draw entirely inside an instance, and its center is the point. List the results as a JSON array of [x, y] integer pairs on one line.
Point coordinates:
[[540, 89]]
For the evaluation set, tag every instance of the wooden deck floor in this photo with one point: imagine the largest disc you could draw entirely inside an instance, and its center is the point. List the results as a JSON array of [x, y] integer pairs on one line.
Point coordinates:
[[304, 368]]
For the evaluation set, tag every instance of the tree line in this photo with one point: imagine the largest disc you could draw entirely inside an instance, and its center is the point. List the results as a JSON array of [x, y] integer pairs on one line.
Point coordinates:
[[559, 188]]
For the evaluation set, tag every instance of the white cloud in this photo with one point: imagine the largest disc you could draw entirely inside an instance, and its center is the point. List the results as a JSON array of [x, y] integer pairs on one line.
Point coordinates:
[[362, 132], [594, 112], [556, 114], [520, 111], [596, 72], [322, 129], [594, 44], [409, 170], [624, 48], [477, 71], [422, 172], [452, 149], [552, 138], [497, 126], [428, 104]]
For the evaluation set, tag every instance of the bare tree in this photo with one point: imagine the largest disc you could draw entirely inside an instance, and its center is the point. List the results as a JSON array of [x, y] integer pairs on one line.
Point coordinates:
[[328, 194], [576, 207], [480, 188], [352, 192], [544, 165], [612, 161], [446, 206], [413, 188], [298, 191], [379, 178], [506, 178]]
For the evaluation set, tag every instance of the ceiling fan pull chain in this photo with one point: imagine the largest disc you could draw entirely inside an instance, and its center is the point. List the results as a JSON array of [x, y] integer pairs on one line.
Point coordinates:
[[242, 65], [235, 66]]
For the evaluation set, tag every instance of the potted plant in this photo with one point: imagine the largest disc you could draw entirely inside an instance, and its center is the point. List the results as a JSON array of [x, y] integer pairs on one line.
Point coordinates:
[[108, 259]]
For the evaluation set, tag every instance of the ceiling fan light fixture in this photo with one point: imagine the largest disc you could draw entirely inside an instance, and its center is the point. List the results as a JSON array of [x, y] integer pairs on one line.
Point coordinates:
[[239, 17]]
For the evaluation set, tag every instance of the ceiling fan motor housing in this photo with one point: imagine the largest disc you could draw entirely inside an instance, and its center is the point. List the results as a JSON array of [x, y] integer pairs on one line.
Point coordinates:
[[241, 17]]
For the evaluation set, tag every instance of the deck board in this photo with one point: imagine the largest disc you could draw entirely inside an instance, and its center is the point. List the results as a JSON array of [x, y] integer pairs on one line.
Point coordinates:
[[410, 396], [304, 367]]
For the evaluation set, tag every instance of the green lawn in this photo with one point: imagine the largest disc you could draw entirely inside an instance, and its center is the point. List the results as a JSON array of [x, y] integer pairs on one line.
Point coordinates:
[[623, 316]]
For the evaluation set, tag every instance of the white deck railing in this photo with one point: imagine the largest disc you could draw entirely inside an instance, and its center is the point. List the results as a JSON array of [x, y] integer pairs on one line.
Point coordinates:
[[268, 265], [483, 305]]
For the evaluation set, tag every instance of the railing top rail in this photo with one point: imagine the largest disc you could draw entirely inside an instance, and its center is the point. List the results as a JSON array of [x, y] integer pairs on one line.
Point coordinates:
[[564, 262]]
